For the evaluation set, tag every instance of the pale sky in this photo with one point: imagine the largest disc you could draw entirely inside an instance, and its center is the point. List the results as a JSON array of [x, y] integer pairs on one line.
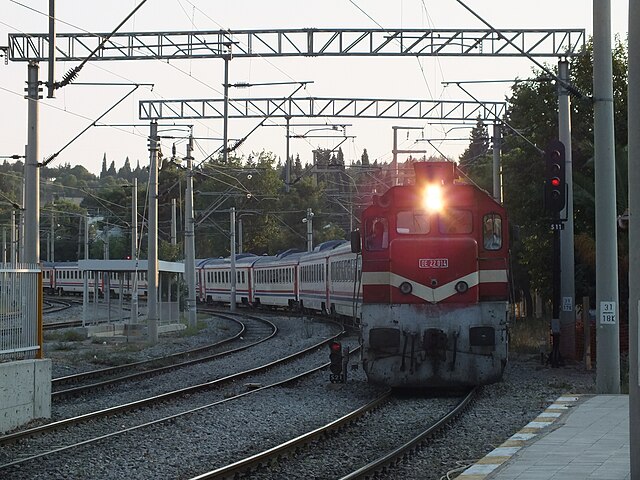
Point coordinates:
[[77, 106]]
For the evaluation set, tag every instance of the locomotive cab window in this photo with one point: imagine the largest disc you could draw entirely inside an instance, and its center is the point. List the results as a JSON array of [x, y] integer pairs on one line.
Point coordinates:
[[413, 223], [492, 231], [377, 230], [455, 221]]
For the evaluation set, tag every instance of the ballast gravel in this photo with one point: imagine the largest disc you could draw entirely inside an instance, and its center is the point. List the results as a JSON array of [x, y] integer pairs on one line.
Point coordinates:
[[212, 437]]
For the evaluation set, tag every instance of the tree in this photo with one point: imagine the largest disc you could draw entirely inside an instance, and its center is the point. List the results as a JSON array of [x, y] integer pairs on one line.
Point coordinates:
[[365, 158], [476, 161], [532, 111], [103, 172]]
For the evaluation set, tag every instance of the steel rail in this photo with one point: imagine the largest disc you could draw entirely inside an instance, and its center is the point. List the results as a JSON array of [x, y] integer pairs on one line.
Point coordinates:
[[154, 361], [286, 381], [157, 398], [395, 455]]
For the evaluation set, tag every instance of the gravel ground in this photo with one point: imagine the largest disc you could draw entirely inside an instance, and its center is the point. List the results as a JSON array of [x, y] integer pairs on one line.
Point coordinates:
[[233, 430]]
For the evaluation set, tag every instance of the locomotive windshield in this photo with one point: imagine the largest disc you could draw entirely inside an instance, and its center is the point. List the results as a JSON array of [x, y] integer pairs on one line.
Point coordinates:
[[454, 220], [413, 223]]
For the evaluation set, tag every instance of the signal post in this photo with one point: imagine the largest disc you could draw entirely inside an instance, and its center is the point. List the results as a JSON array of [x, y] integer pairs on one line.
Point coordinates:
[[555, 200]]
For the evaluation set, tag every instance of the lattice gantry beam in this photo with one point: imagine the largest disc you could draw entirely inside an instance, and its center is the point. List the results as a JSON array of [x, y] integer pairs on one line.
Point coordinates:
[[321, 107], [300, 42]]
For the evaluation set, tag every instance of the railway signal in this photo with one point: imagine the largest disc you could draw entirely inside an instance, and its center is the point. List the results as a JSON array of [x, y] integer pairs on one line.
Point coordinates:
[[555, 185], [337, 363]]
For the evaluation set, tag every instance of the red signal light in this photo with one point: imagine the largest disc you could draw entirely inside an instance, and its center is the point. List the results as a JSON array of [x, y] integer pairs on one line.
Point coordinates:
[[555, 182], [335, 347]]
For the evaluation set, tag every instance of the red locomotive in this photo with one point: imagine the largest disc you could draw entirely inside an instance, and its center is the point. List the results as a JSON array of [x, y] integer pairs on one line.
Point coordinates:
[[434, 283]]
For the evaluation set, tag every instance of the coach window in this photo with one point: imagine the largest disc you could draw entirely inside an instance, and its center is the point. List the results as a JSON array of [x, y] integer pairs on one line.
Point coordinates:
[[455, 221], [377, 230], [492, 231]]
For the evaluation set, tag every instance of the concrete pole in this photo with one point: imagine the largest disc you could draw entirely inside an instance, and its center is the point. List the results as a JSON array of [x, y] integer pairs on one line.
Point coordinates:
[[22, 217], [634, 235], [395, 155], [152, 270], [310, 229], [287, 168], [14, 239], [567, 267], [497, 149], [52, 50], [189, 241], [134, 251], [32, 172], [85, 279], [174, 235], [607, 317], [225, 127], [4, 245], [232, 222], [52, 257]]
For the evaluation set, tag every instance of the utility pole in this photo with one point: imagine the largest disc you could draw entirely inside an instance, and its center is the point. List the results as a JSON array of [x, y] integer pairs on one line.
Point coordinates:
[[174, 235], [232, 222], [225, 127], [152, 269], [567, 267], [497, 173], [14, 239], [32, 172], [607, 317], [52, 50], [395, 151], [634, 236], [85, 279], [52, 256], [134, 251], [189, 240], [239, 233], [287, 163], [309, 221]]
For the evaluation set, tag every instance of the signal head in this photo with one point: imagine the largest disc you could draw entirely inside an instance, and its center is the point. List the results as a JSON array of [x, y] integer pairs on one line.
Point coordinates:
[[555, 188]]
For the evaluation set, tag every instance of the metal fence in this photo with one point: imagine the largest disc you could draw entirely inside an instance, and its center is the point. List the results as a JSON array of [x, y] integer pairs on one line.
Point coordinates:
[[20, 312]]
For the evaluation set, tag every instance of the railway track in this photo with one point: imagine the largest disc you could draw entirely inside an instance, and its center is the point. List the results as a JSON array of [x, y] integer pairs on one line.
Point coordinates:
[[316, 451], [258, 330], [112, 419]]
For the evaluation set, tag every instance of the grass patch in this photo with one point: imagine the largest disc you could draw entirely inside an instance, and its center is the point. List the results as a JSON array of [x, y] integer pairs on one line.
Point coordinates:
[[529, 335], [191, 331], [66, 336]]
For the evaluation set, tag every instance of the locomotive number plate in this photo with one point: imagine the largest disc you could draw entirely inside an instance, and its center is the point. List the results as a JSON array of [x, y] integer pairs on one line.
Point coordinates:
[[433, 263]]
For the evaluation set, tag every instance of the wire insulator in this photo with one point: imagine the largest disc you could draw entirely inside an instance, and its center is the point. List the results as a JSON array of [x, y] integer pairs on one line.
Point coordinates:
[[69, 77]]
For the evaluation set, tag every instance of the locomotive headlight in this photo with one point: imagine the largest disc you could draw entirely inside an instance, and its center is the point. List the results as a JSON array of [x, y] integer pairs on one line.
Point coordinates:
[[462, 287], [433, 198], [406, 288]]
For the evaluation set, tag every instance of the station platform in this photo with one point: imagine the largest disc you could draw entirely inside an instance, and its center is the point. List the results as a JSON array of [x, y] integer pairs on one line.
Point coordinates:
[[575, 438]]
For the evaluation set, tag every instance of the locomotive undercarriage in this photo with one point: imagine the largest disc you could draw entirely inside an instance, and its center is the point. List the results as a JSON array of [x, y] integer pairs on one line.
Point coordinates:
[[434, 345]]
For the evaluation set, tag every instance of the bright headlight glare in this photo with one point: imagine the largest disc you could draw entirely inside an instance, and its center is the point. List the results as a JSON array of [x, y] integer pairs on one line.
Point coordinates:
[[433, 198]]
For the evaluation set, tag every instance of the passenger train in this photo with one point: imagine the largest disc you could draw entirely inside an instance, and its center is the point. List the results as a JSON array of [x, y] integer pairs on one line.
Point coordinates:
[[65, 278], [426, 280]]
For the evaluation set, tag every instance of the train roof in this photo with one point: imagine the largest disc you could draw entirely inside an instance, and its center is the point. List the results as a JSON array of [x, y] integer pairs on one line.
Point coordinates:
[[287, 257], [242, 259], [127, 266], [323, 250]]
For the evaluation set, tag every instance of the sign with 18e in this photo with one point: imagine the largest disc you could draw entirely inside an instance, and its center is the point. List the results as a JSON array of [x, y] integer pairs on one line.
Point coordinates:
[[607, 313]]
